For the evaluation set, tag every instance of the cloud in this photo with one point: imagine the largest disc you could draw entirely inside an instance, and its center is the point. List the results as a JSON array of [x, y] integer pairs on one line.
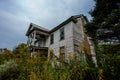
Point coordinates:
[[13, 22], [53, 12], [13, 29], [15, 16]]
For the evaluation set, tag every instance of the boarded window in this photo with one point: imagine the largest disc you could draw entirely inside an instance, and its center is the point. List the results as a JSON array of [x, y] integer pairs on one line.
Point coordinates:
[[52, 39], [62, 34], [62, 53]]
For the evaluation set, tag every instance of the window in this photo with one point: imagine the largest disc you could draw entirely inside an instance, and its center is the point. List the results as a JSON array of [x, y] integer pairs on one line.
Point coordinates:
[[62, 34], [52, 39], [62, 53]]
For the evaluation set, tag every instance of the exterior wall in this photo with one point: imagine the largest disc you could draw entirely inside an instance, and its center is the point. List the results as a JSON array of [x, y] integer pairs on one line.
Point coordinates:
[[78, 39], [78, 32], [74, 39], [67, 42]]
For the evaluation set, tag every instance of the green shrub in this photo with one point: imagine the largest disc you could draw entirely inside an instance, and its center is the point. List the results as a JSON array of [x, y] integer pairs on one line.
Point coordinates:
[[112, 68], [9, 70], [111, 49], [108, 57]]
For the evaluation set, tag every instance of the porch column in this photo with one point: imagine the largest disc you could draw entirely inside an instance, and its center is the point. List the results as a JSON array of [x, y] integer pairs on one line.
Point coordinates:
[[34, 35], [28, 41]]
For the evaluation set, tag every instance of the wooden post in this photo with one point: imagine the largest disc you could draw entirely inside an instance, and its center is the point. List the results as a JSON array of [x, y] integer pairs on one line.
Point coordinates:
[[34, 35]]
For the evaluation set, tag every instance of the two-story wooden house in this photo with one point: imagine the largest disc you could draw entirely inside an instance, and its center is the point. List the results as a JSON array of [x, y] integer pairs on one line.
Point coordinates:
[[65, 40]]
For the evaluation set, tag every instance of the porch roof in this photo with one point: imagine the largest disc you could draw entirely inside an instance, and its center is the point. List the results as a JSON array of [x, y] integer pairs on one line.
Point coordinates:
[[36, 27]]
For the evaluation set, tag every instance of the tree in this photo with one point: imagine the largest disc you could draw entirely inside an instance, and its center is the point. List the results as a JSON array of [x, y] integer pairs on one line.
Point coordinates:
[[104, 27], [6, 55], [106, 21], [21, 50]]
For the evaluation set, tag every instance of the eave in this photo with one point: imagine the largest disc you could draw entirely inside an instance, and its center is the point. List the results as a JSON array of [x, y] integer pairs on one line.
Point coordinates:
[[72, 18]]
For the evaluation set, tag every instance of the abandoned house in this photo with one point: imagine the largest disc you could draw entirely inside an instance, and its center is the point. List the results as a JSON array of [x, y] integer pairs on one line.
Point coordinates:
[[65, 40]]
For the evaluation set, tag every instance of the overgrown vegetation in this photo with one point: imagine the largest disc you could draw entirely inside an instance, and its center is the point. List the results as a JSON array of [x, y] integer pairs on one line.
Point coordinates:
[[18, 65], [24, 67], [104, 30]]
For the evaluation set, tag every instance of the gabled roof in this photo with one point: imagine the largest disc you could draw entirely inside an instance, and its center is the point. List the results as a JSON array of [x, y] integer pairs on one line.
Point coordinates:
[[36, 27], [39, 27], [72, 18]]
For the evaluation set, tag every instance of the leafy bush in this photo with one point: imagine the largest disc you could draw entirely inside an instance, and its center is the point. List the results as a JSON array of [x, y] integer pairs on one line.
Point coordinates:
[[9, 70], [111, 49], [112, 68], [108, 57]]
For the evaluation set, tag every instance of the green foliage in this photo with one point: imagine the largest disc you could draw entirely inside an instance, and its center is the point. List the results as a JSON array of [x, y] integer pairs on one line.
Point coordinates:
[[25, 67], [112, 68], [108, 57], [102, 9], [91, 29], [106, 15], [111, 49], [21, 50], [37, 69], [9, 70], [6, 55], [90, 61]]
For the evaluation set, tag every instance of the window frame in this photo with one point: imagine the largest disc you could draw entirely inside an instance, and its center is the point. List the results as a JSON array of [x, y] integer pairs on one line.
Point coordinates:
[[62, 34]]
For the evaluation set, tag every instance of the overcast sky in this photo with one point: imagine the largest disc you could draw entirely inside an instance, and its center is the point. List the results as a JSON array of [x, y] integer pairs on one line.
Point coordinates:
[[16, 15]]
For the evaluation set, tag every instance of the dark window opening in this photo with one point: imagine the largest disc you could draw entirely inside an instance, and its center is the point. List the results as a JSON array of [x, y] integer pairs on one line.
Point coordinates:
[[52, 39], [62, 53], [62, 34]]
